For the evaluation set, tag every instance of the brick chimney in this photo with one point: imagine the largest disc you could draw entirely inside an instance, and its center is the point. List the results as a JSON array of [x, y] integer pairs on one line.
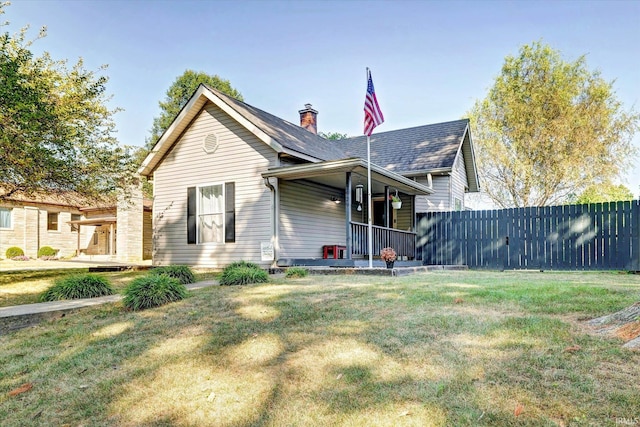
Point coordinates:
[[308, 119]]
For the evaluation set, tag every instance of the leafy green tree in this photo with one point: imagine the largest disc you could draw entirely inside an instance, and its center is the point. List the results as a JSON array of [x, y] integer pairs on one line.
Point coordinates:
[[605, 192], [178, 95], [56, 132], [548, 129], [333, 136]]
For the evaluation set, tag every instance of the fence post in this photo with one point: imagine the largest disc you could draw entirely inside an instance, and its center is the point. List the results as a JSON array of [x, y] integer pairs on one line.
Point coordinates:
[[635, 236]]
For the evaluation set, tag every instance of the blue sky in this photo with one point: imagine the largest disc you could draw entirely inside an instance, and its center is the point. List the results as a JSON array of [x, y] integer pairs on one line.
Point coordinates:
[[430, 59]]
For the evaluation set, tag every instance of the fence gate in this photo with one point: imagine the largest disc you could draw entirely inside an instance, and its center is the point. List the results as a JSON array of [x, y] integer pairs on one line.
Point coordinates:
[[600, 236]]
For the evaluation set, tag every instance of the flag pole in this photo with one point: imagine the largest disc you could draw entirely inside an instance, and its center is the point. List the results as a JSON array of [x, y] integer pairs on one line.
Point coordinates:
[[369, 204], [372, 118]]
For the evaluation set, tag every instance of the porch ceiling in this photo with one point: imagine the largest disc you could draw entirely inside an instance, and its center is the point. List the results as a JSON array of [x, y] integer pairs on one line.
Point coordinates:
[[332, 173]]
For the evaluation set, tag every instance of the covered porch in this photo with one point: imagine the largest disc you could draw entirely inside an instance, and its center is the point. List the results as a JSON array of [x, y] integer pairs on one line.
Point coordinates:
[[337, 197]]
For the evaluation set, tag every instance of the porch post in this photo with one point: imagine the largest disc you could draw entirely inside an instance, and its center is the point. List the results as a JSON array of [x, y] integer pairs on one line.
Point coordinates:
[[111, 239], [347, 210], [386, 206]]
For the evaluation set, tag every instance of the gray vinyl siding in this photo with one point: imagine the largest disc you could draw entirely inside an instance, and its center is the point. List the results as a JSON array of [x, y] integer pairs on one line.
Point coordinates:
[[403, 217], [309, 219], [440, 200], [459, 182], [241, 158]]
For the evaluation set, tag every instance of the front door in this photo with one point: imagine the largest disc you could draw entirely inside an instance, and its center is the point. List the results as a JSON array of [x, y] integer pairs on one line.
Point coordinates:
[[379, 217]]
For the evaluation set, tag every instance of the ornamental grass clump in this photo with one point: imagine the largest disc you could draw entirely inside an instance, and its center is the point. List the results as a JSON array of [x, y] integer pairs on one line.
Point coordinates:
[[78, 286], [296, 272], [153, 290], [181, 272], [243, 273]]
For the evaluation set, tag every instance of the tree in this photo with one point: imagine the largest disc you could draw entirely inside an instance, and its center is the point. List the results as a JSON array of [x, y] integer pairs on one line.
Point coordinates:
[[333, 136], [604, 192], [56, 132], [549, 129], [178, 95]]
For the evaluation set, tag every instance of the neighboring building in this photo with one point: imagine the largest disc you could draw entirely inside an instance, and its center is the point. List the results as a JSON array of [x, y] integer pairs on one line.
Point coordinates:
[[63, 222], [233, 182]]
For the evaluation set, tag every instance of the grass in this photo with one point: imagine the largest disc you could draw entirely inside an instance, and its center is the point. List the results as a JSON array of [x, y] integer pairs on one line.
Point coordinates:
[[438, 349]]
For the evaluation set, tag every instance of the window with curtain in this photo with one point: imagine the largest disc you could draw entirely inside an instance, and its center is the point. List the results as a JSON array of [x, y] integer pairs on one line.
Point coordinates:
[[5, 218], [211, 214]]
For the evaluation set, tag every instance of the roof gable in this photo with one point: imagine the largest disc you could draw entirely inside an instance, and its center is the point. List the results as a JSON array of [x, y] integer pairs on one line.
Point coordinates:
[[279, 134]]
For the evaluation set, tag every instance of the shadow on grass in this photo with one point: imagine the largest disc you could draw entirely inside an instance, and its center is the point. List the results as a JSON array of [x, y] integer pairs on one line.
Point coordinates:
[[343, 353]]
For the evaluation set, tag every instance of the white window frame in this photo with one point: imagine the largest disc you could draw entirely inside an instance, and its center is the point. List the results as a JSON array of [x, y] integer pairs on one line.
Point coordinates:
[[199, 214], [10, 210]]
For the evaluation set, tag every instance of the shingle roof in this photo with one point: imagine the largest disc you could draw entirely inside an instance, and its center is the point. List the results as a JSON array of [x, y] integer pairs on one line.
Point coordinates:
[[414, 149], [287, 134]]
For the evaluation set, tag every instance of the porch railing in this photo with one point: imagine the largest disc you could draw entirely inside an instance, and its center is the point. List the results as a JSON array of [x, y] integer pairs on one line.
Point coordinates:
[[403, 242]]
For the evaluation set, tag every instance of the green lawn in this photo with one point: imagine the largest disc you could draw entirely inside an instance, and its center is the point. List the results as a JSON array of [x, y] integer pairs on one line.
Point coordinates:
[[436, 349]]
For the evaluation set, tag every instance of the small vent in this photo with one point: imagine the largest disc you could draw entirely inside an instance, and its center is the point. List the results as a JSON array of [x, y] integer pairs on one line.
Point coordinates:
[[210, 143]]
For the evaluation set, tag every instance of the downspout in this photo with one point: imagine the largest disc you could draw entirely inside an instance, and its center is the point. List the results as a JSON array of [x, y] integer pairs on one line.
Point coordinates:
[[275, 234], [347, 207]]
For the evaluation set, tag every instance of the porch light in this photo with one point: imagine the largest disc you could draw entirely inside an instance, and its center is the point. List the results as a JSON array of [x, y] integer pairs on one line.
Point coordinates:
[[359, 197], [335, 199], [359, 194]]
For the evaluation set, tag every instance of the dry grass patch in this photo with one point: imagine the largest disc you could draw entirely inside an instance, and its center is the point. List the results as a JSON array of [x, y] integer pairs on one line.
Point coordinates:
[[335, 351]]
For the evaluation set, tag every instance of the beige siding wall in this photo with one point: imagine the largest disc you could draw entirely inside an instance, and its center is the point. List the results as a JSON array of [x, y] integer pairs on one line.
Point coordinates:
[[240, 158], [29, 230], [440, 200], [309, 219]]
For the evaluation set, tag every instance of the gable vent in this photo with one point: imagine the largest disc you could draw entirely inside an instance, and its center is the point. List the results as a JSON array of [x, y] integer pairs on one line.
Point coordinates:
[[210, 144]]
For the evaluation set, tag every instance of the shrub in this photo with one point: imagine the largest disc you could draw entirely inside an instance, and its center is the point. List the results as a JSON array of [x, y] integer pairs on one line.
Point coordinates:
[[47, 251], [78, 286], [181, 272], [14, 251], [295, 272], [243, 273], [152, 291]]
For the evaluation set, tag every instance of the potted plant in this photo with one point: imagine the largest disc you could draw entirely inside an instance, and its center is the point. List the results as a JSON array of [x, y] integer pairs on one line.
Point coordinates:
[[389, 256], [395, 201]]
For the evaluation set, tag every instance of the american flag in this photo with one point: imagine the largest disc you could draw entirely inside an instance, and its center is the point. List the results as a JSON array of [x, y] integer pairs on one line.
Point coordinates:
[[372, 113]]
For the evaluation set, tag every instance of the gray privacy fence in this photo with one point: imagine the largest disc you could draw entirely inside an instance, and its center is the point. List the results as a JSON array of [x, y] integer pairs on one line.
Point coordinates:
[[599, 236]]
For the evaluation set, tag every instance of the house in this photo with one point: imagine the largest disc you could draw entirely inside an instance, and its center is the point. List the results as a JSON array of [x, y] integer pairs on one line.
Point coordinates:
[[233, 182], [68, 223]]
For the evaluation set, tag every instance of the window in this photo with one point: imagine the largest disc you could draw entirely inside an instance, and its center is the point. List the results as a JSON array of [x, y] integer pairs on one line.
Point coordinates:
[[52, 221], [457, 204], [75, 217], [211, 213], [5, 218], [95, 238]]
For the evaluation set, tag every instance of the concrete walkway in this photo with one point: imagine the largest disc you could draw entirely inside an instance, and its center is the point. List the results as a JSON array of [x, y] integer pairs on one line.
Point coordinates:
[[22, 316]]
